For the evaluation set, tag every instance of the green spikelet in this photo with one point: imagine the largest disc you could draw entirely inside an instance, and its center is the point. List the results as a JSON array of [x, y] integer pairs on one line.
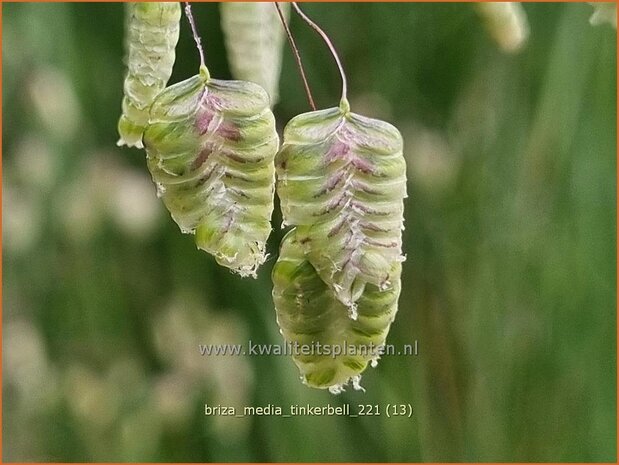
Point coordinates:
[[309, 314], [210, 146], [254, 40], [506, 22], [604, 13], [151, 37], [342, 181]]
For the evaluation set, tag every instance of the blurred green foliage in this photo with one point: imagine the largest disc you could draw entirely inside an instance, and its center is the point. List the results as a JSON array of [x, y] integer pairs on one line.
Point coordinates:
[[509, 286]]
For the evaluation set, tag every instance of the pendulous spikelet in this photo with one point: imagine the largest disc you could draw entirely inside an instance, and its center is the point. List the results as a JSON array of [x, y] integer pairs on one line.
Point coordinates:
[[254, 40], [331, 348], [152, 30], [210, 146], [341, 180]]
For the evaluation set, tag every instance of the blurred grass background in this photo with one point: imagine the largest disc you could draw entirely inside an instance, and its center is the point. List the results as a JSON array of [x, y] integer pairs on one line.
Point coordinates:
[[509, 286]]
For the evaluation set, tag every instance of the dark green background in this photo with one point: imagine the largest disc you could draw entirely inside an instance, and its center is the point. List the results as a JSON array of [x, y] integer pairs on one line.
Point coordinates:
[[509, 285]]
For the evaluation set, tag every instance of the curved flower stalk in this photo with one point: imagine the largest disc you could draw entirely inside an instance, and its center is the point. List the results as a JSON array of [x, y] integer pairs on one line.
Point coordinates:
[[254, 40], [310, 316], [341, 179], [210, 146], [506, 22], [152, 30]]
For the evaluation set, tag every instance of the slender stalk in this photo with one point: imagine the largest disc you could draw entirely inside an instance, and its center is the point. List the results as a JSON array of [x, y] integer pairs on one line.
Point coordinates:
[[194, 31], [325, 37], [297, 56]]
